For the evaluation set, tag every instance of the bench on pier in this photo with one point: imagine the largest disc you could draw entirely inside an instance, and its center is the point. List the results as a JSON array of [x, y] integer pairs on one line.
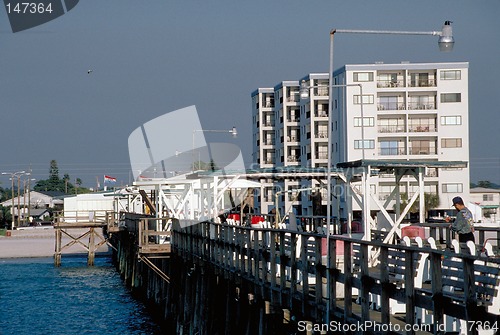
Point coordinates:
[[482, 291], [396, 268]]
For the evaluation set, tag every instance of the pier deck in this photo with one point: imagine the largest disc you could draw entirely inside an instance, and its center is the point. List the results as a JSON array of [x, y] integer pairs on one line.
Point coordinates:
[[295, 276]]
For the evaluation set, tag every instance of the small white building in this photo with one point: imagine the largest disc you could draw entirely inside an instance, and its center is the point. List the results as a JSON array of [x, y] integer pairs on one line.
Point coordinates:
[[35, 199], [489, 200], [87, 206]]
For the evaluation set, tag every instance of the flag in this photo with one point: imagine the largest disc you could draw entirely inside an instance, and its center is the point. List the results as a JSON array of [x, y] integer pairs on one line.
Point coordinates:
[[108, 179]]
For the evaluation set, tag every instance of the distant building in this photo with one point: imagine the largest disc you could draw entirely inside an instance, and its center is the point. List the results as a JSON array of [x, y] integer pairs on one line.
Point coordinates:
[[37, 199], [410, 112], [489, 200]]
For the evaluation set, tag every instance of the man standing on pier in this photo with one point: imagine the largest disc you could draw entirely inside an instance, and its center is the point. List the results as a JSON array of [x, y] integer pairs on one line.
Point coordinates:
[[464, 222]]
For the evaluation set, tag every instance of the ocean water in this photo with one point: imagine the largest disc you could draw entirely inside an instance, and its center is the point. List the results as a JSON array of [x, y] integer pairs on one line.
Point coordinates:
[[38, 298]]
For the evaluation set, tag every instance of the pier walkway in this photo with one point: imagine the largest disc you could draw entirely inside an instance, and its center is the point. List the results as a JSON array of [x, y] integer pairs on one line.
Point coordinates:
[[320, 280]]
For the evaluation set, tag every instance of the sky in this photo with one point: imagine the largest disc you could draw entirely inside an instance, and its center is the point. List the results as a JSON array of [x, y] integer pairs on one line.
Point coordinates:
[[152, 57]]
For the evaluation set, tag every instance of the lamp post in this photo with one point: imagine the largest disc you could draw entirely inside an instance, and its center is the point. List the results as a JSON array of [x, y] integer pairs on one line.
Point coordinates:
[[445, 43], [12, 176], [232, 131], [27, 181]]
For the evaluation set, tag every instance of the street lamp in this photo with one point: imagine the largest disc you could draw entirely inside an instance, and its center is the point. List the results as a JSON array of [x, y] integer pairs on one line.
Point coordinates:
[[232, 131], [12, 176], [445, 43], [27, 181]]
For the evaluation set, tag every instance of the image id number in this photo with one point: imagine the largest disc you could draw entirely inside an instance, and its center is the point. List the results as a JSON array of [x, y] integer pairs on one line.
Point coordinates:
[[29, 8], [484, 325]]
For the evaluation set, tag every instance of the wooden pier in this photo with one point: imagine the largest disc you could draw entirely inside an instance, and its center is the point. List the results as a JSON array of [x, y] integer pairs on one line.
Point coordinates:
[[86, 232], [289, 271]]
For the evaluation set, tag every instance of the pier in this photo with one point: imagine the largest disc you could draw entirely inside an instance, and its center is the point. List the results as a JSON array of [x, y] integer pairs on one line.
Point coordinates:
[[204, 273], [282, 277], [84, 231]]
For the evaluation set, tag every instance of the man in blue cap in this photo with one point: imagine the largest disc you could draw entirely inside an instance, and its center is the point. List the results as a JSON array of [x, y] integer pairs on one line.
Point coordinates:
[[464, 222]]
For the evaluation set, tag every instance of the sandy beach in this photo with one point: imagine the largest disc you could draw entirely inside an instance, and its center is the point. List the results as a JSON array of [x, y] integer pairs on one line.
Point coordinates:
[[39, 243]]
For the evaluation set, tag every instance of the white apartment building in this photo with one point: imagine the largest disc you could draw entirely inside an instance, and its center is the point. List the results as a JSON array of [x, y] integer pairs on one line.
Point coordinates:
[[411, 111]]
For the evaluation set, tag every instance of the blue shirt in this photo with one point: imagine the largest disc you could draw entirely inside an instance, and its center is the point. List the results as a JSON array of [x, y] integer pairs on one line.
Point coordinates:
[[464, 222]]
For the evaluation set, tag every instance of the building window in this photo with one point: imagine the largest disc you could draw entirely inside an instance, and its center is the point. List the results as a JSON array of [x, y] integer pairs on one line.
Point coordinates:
[[367, 99], [451, 75], [391, 148], [422, 147], [451, 142], [366, 144], [367, 122], [391, 125], [421, 124], [363, 76], [451, 120], [487, 197], [390, 103], [453, 188], [451, 97]]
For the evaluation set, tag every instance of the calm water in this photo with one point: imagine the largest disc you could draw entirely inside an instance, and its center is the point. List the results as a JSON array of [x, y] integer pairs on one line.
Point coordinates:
[[37, 298]]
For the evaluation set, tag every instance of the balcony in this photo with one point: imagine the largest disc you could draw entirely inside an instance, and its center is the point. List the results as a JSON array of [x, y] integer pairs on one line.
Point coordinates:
[[422, 151], [293, 159], [293, 119], [392, 152], [321, 91], [422, 129], [421, 106], [321, 134], [269, 142], [293, 139], [321, 155], [390, 83], [431, 172], [389, 107], [323, 114], [268, 123], [422, 83], [391, 129]]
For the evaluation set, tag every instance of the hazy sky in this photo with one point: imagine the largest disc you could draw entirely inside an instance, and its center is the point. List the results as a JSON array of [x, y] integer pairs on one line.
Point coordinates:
[[152, 57]]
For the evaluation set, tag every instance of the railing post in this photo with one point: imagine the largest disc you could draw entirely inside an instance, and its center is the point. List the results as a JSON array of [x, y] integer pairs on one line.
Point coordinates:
[[331, 267], [304, 272], [365, 283], [409, 290], [347, 281], [273, 259], [437, 290], [469, 294], [282, 261], [384, 284], [319, 278]]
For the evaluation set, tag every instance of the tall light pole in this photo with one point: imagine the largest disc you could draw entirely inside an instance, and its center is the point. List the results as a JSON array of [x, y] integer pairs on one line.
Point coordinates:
[[445, 43], [27, 181], [232, 131], [12, 176]]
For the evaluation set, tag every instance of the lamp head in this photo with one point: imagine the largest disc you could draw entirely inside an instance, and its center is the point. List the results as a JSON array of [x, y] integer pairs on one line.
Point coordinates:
[[446, 40], [234, 132]]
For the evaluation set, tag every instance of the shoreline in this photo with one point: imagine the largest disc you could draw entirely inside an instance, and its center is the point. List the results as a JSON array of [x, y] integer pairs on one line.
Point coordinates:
[[40, 243]]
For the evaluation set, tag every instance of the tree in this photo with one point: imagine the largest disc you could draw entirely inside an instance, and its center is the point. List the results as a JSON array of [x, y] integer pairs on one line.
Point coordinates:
[[55, 183], [201, 165], [5, 216], [431, 200], [484, 183]]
